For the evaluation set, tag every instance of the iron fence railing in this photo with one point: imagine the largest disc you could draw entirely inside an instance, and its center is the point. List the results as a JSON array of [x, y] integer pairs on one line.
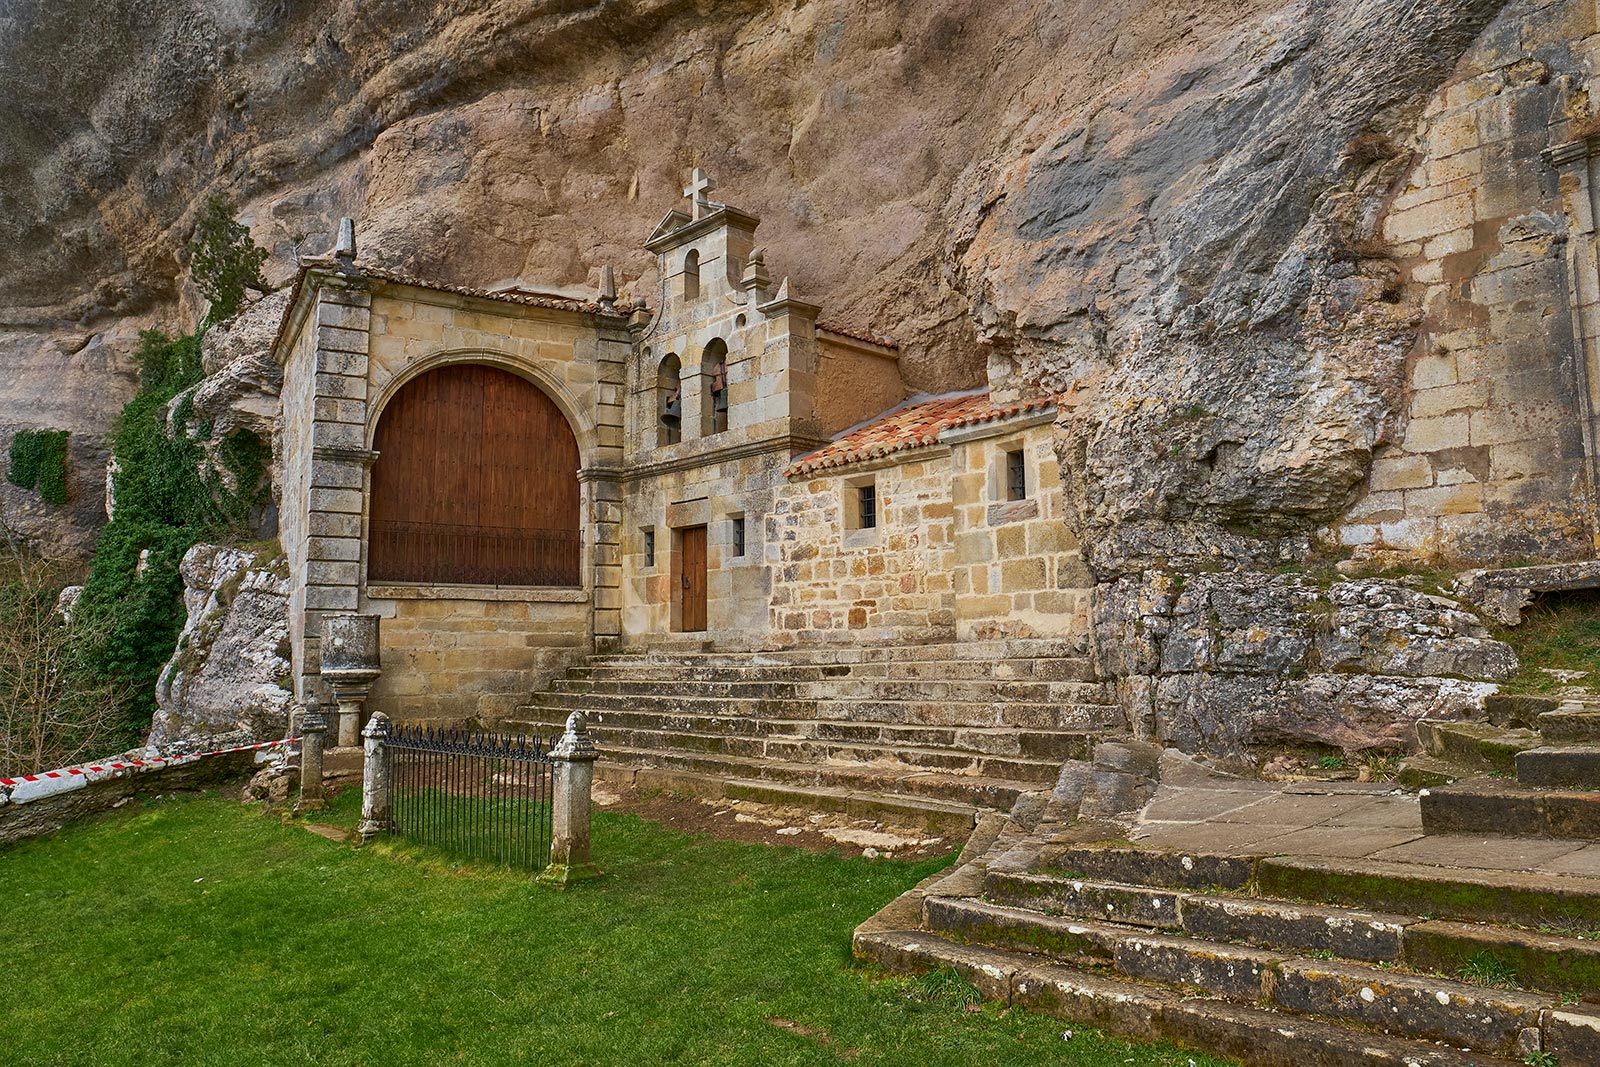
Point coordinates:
[[486, 796], [473, 555]]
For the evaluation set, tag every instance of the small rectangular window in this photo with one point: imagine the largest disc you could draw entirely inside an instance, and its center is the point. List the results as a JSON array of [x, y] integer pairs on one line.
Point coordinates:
[[738, 535], [868, 498], [650, 547], [1016, 476]]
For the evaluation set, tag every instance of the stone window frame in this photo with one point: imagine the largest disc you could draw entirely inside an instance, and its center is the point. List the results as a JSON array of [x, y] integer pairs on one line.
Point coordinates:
[[689, 279], [1002, 508], [647, 537], [854, 534], [738, 536]]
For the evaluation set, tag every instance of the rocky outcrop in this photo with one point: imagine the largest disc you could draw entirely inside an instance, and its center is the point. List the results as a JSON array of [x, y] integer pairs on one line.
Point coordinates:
[[1227, 663], [227, 682], [240, 390]]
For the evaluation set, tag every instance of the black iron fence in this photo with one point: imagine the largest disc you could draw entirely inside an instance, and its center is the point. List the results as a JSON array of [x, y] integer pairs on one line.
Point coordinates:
[[473, 555], [487, 796]]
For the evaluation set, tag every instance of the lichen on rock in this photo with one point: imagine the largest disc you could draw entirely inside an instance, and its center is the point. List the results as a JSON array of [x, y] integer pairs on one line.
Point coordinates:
[[224, 683]]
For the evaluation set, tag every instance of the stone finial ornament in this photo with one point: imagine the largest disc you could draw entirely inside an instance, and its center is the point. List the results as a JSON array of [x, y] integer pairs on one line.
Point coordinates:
[[608, 288], [345, 248]]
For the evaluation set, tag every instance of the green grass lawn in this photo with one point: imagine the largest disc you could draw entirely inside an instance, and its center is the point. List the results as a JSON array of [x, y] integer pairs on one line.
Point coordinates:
[[197, 931]]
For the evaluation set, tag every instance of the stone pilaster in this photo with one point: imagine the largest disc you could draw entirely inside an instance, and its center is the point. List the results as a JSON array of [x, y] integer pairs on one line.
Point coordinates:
[[1575, 162], [339, 458]]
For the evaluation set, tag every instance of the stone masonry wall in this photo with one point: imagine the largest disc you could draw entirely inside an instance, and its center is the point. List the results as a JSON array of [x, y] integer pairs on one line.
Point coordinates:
[[1486, 464], [951, 557], [1017, 568], [893, 582]]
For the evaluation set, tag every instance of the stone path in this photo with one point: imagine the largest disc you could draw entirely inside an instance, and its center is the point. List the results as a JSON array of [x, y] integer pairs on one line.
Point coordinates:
[[1342, 820]]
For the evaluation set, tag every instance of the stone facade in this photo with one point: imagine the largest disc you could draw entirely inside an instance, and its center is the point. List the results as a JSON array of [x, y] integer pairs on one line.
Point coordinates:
[[1490, 457], [950, 555], [689, 424]]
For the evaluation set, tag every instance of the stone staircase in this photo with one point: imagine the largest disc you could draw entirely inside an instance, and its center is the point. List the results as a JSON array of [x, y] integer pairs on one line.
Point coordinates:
[[1531, 767], [941, 726], [1395, 963]]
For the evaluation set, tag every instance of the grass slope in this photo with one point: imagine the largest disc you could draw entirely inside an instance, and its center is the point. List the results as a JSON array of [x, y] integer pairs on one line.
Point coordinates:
[[197, 931]]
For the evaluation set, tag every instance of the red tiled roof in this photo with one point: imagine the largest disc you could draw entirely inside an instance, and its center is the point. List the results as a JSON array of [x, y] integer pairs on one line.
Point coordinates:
[[883, 341], [916, 425]]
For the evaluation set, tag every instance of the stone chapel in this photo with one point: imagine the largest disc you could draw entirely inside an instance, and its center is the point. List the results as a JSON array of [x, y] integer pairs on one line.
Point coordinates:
[[513, 480]]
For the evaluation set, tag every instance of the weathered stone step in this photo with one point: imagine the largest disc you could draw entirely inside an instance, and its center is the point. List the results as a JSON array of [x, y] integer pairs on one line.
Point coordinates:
[[1409, 1005], [1570, 725], [1054, 745], [1517, 709], [894, 712], [1479, 745], [1425, 772], [1560, 766], [966, 789], [755, 669], [1514, 898], [1258, 1036], [1503, 806], [1539, 961], [949, 760], [1381, 890], [846, 689], [1009, 648]]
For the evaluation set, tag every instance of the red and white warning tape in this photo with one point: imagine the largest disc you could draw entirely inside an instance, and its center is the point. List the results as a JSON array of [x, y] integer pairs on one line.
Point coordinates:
[[152, 763]]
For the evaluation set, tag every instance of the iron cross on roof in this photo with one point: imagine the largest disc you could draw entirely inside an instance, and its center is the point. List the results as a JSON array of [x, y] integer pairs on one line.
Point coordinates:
[[699, 185]]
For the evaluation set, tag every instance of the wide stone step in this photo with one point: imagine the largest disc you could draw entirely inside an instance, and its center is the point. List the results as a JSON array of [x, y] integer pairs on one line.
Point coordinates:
[[1514, 898], [1536, 960], [1503, 806], [1560, 766], [1353, 889], [897, 712], [1570, 725], [754, 668], [878, 778], [1010, 648], [1259, 1036], [1478, 745], [953, 761], [1053, 745], [1413, 1005], [845, 689]]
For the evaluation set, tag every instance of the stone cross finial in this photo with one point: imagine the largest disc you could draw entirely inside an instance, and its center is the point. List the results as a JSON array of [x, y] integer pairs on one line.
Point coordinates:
[[699, 185]]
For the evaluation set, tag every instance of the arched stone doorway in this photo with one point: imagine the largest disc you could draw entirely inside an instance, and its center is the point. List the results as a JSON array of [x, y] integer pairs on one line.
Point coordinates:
[[475, 483]]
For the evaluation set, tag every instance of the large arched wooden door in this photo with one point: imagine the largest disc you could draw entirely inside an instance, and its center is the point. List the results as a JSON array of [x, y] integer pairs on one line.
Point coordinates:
[[476, 482]]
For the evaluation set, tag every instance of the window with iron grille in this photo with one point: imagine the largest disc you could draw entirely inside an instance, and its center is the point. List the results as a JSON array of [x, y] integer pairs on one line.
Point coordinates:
[[1016, 476], [649, 547], [738, 535], [867, 497]]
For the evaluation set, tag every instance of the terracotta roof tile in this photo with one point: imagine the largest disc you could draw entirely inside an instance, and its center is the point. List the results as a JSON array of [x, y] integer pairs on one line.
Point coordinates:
[[883, 340], [917, 425]]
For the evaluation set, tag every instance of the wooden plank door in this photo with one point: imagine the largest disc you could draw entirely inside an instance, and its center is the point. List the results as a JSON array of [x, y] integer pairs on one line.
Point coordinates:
[[692, 577]]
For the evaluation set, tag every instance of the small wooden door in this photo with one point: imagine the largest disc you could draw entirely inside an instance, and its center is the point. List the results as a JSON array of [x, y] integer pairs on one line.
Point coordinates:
[[692, 577]]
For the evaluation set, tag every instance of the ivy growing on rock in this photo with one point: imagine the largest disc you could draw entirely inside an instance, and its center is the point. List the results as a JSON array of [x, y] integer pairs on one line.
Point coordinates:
[[169, 495], [39, 461]]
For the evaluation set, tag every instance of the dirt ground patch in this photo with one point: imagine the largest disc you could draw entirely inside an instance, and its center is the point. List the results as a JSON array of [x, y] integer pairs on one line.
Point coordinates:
[[744, 820]]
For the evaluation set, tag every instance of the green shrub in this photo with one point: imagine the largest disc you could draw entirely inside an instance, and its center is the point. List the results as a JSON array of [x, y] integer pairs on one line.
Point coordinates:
[[39, 461], [224, 261]]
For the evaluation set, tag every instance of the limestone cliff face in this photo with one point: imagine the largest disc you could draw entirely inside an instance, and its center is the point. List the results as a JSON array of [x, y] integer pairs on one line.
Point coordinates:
[[1174, 203], [1172, 215]]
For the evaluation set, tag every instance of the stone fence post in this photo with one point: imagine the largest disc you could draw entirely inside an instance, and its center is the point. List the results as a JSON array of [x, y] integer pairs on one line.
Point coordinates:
[[374, 778], [313, 729], [574, 757]]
